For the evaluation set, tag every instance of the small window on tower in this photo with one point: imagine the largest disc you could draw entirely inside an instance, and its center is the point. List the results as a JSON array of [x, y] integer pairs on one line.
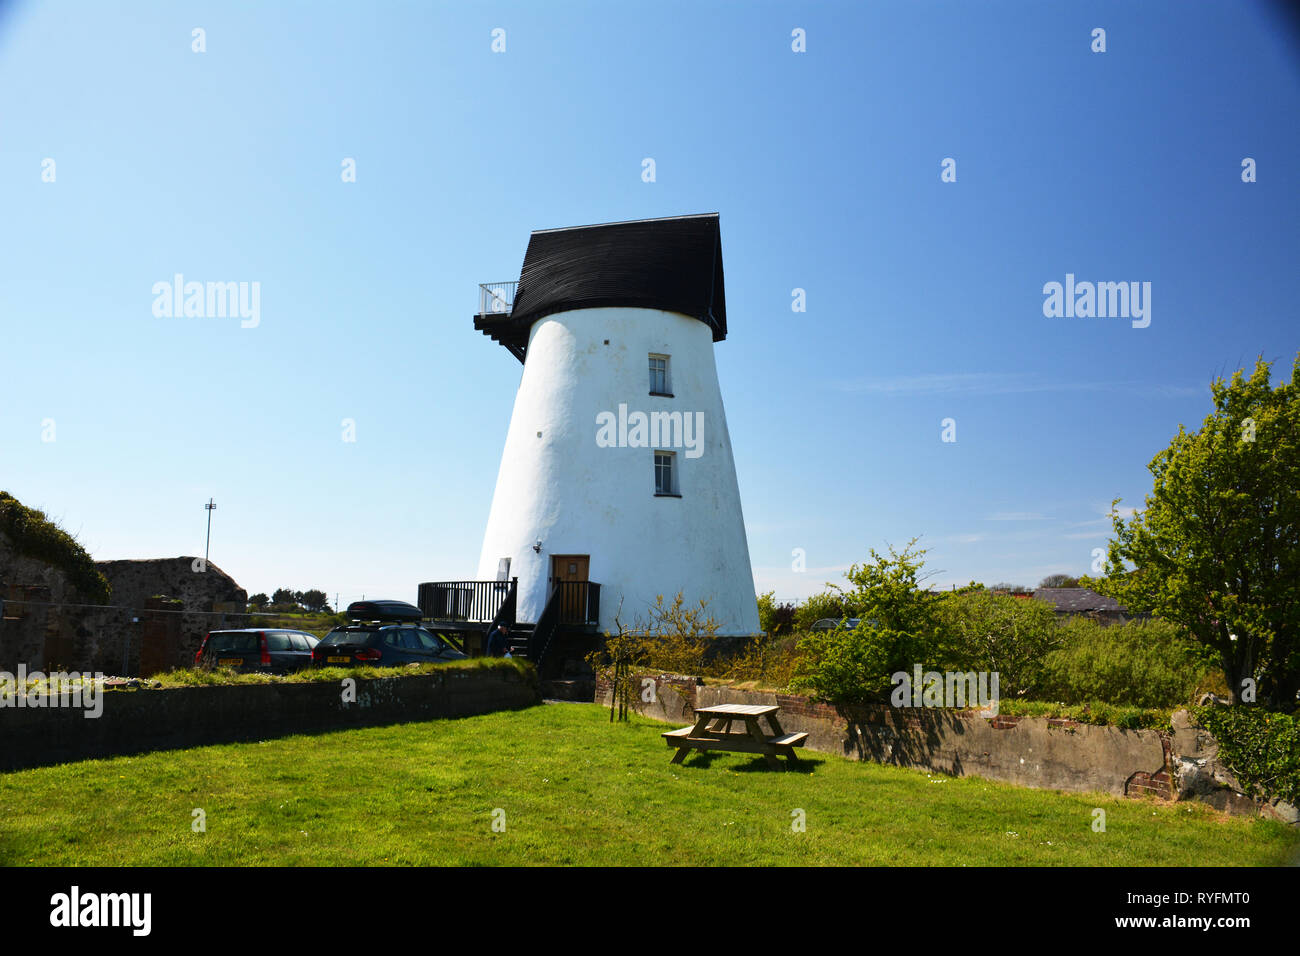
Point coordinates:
[[659, 382], [666, 474]]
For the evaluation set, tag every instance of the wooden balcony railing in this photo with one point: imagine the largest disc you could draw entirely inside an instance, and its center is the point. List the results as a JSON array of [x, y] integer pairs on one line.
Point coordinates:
[[576, 602]]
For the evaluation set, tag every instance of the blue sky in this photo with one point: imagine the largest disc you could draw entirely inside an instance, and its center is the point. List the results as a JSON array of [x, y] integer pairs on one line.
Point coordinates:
[[924, 298]]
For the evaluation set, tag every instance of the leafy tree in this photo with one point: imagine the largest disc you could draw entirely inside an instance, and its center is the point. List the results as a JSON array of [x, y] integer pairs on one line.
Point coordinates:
[[774, 619], [1059, 581], [313, 600], [1009, 588], [1216, 549], [899, 628], [284, 596], [259, 600]]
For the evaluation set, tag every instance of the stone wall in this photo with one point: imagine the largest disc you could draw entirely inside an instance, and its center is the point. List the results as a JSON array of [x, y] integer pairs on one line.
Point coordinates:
[[1028, 751], [37, 608], [163, 635], [47, 624], [138, 721]]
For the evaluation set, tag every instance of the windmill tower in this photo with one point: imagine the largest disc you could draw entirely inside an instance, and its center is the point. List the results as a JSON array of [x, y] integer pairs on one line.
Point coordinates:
[[617, 481]]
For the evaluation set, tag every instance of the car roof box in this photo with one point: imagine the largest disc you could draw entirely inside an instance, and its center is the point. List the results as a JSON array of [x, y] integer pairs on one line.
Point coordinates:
[[383, 611]]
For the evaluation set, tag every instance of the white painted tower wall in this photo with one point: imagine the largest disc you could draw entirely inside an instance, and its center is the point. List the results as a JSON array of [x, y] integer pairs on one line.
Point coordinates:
[[557, 485]]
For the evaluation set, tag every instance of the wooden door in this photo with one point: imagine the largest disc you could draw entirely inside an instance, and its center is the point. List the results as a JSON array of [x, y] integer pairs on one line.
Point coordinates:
[[569, 572]]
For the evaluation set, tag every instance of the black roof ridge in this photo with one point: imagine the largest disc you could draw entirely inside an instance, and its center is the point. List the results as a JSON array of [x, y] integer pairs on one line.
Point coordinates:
[[629, 222]]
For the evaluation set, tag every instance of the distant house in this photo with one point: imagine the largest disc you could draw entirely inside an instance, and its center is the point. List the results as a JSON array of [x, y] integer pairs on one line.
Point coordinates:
[[1085, 602]]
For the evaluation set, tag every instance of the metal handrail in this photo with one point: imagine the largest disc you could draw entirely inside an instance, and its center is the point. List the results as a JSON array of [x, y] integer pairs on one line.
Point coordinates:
[[470, 601], [496, 298]]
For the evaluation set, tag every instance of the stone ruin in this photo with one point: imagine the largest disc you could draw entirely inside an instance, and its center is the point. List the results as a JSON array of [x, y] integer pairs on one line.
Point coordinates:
[[158, 613]]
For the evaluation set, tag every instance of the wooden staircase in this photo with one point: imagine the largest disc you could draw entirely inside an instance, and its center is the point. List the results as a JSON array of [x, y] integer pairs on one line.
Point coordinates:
[[463, 607]]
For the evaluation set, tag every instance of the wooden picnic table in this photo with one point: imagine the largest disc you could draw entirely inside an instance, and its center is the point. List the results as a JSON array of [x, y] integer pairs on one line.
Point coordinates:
[[712, 731]]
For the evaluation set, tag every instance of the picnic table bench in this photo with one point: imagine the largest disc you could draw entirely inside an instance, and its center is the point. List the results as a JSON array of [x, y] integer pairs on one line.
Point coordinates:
[[712, 731]]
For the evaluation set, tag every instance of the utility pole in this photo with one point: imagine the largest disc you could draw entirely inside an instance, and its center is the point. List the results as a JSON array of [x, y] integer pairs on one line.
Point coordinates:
[[211, 506]]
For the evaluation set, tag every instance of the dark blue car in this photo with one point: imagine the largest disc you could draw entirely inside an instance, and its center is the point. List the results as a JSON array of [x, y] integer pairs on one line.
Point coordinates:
[[382, 645]]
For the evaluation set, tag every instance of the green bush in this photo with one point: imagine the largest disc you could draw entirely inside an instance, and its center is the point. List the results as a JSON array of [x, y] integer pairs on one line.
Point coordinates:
[[997, 633], [1139, 663], [1261, 747], [36, 536], [1124, 716], [899, 628], [852, 666]]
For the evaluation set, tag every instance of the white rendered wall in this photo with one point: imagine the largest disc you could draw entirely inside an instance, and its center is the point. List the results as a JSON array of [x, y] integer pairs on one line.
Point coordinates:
[[579, 498]]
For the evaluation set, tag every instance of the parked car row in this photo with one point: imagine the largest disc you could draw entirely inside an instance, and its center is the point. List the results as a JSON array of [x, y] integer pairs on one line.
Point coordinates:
[[380, 634], [831, 623]]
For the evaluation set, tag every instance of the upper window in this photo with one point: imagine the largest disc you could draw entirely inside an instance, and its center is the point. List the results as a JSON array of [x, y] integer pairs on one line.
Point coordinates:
[[665, 473], [659, 381]]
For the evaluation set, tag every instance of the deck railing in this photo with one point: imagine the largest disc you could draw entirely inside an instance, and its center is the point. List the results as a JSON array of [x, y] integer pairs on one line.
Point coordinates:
[[496, 298], [489, 602], [577, 602], [475, 602]]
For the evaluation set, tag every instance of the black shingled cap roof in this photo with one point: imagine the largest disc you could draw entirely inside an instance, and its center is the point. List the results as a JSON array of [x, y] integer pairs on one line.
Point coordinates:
[[674, 264]]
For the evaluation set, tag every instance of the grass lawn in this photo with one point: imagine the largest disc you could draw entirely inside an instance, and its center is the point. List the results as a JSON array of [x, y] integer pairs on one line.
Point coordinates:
[[575, 790]]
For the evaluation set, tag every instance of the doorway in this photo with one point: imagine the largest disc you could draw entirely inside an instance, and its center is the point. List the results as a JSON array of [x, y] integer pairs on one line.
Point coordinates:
[[569, 576]]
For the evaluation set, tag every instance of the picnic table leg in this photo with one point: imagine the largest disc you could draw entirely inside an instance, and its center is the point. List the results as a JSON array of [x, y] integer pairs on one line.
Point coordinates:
[[699, 730], [787, 752], [756, 732]]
